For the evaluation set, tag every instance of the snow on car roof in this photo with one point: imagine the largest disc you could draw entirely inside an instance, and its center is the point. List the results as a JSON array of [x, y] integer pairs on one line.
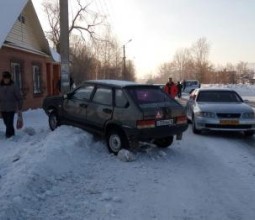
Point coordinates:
[[215, 89], [120, 83]]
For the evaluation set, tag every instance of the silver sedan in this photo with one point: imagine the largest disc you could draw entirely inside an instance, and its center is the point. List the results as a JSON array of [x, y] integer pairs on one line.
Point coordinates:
[[221, 110]]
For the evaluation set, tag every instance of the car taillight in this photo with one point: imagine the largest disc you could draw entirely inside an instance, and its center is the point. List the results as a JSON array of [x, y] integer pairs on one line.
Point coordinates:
[[145, 124], [181, 119]]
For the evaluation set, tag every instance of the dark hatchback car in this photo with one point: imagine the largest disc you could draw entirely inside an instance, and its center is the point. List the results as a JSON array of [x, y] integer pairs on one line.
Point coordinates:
[[123, 112]]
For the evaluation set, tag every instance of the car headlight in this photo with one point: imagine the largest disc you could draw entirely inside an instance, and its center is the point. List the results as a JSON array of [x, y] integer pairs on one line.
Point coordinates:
[[206, 114], [248, 115]]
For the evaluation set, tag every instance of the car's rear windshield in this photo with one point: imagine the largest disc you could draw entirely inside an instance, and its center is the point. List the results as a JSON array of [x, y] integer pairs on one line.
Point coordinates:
[[218, 96], [148, 95]]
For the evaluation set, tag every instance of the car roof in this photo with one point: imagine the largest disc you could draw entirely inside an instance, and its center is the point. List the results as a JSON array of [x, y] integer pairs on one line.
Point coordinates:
[[115, 83], [216, 89], [158, 84]]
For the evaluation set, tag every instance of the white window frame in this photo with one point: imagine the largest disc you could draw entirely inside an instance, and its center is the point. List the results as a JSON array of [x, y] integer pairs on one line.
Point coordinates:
[[37, 79], [16, 73]]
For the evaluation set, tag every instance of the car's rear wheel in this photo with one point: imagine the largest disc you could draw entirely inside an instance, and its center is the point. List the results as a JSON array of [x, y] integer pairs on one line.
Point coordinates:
[[53, 120], [194, 127], [249, 133], [163, 142], [116, 140]]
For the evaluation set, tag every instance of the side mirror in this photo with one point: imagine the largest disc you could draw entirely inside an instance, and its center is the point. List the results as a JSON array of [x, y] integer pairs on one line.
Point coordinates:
[[67, 96]]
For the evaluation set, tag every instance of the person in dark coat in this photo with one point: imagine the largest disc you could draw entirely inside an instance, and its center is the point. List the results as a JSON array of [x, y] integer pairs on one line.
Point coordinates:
[[71, 84], [10, 102], [179, 87], [183, 85]]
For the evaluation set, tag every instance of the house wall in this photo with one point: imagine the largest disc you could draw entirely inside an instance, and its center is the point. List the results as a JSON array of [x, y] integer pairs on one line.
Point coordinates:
[[21, 34], [27, 59]]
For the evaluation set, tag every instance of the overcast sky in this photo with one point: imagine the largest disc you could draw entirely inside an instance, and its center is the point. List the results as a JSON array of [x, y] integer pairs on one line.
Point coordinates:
[[159, 28]]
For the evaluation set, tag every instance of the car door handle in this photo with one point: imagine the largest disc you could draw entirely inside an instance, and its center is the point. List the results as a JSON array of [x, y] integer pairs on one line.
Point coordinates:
[[83, 105], [107, 110]]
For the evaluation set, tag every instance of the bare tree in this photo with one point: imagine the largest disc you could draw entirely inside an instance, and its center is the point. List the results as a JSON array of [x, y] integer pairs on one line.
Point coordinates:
[[242, 68], [183, 63], [230, 67], [167, 70], [108, 51], [130, 71], [52, 11], [200, 53], [84, 21], [82, 62], [242, 71]]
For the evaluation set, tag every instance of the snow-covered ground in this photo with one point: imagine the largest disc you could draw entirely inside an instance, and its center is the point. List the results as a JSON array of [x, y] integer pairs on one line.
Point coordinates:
[[69, 175]]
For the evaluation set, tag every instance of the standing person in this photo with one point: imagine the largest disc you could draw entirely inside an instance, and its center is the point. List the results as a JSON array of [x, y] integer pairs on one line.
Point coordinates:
[[183, 85], [179, 86], [170, 88], [71, 84], [10, 102]]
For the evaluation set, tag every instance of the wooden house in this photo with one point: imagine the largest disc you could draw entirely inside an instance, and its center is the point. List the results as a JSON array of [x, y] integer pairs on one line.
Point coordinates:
[[25, 52]]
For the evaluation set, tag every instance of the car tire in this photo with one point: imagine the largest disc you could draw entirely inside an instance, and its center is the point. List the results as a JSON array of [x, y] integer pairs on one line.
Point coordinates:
[[53, 120], [249, 133], [194, 127], [163, 142], [116, 140]]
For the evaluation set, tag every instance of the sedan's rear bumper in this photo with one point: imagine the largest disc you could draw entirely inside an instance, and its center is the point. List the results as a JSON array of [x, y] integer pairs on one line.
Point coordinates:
[[225, 124]]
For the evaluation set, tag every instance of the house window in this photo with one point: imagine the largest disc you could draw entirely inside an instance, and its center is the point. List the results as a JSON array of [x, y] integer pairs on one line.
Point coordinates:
[[16, 74], [37, 80]]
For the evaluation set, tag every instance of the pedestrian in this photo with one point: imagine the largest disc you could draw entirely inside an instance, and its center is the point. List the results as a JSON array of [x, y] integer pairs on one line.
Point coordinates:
[[179, 87], [170, 88], [10, 102], [183, 85], [71, 84]]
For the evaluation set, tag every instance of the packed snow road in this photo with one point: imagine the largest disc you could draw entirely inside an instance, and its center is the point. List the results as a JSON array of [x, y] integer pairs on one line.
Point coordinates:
[[67, 174]]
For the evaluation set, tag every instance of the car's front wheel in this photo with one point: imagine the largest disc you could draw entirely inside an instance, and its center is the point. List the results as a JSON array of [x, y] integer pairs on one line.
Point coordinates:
[[194, 127], [116, 140], [163, 142], [53, 120]]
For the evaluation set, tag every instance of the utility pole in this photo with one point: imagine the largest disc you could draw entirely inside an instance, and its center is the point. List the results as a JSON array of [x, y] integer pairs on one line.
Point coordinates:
[[64, 46], [124, 63], [124, 71]]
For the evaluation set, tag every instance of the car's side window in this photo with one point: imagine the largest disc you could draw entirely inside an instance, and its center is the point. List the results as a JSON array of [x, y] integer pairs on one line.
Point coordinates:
[[103, 96], [120, 99], [83, 92]]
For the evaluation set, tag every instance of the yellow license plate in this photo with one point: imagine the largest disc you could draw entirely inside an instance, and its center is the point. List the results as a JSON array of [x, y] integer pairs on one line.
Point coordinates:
[[229, 122]]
